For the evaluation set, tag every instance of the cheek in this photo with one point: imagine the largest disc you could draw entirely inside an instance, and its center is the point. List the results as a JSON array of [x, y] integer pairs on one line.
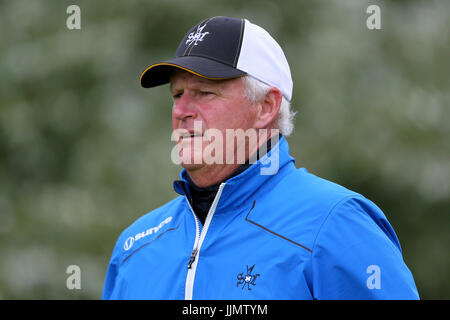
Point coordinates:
[[238, 114], [174, 123], [245, 117]]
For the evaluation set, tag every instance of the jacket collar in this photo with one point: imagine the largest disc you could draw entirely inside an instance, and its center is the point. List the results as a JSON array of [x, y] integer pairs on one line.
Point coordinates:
[[240, 188]]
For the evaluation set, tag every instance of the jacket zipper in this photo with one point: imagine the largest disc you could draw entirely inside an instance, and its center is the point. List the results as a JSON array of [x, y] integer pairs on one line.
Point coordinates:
[[200, 236]]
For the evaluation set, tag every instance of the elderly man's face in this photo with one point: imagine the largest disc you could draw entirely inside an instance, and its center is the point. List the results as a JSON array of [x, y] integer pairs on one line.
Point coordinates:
[[207, 104]]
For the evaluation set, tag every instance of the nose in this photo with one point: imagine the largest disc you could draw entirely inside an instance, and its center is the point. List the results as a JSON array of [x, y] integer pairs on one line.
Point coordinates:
[[183, 108]]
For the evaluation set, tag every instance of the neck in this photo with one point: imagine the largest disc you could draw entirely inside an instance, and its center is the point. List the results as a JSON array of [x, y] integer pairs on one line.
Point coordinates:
[[211, 175]]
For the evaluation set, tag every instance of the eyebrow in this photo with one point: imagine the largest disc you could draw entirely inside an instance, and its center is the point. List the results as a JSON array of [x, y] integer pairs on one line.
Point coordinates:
[[200, 81]]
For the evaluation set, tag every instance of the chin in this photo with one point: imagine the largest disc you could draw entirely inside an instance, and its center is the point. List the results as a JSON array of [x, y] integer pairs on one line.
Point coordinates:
[[190, 157], [189, 162], [189, 166]]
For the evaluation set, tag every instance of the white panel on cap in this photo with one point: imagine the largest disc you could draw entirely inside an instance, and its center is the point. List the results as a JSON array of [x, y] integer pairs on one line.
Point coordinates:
[[262, 57]]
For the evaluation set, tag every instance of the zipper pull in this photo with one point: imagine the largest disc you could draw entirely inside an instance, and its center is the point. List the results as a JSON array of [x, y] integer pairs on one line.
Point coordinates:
[[192, 258]]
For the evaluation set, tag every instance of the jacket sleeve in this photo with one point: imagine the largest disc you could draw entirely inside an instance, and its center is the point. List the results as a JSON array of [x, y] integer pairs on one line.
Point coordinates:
[[109, 281], [357, 255], [110, 290]]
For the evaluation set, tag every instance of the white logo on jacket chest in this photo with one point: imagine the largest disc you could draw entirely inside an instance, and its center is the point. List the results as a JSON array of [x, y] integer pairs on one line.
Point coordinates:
[[131, 240]]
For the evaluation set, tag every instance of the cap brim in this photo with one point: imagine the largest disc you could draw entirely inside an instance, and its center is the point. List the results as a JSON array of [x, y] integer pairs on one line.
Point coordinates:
[[159, 73]]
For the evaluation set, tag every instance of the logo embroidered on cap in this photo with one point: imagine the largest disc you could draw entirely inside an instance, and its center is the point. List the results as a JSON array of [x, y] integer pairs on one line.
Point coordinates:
[[198, 36]]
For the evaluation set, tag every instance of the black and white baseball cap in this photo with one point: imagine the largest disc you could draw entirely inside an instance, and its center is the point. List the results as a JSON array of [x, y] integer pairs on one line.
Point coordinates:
[[221, 48]]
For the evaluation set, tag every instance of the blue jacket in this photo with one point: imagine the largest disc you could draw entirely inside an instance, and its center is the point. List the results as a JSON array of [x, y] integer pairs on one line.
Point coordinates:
[[290, 235]]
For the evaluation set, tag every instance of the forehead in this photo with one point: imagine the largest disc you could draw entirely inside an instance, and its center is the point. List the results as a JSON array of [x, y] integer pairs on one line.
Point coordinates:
[[180, 77]]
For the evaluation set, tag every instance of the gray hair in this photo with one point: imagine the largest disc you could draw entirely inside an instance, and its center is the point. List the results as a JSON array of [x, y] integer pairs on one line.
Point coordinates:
[[256, 89]]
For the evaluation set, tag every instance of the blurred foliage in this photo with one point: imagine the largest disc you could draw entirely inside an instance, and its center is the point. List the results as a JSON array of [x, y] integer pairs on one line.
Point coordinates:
[[85, 151]]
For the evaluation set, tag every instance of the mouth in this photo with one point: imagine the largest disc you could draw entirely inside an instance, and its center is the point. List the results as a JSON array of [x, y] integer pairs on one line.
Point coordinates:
[[192, 135]]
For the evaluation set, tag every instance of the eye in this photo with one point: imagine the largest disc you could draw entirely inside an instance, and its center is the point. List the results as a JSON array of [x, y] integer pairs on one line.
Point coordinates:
[[177, 95], [206, 93]]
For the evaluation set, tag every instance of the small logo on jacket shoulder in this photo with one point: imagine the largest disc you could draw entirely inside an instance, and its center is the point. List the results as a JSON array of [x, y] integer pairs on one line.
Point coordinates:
[[131, 240], [248, 279]]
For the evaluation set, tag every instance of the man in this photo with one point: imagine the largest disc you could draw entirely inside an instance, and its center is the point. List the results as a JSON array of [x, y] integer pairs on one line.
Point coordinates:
[[248, 224]]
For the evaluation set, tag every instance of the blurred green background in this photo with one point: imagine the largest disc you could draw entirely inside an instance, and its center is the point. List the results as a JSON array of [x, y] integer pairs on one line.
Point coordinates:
[[85, 151]]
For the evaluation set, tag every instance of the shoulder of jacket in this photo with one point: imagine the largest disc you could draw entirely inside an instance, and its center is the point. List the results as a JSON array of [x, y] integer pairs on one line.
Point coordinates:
[[155, 219], [297, 205], [155, 215]]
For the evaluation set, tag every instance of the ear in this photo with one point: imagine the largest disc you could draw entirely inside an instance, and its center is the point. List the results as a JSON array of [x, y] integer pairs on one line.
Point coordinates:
[[268, 109]]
